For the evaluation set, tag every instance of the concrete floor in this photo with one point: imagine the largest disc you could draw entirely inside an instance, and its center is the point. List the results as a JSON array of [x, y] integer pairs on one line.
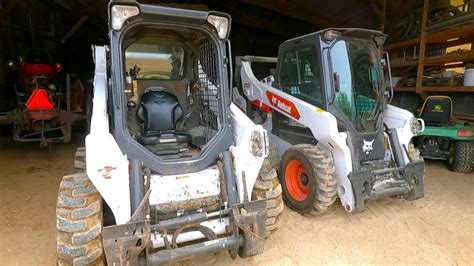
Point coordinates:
[[438, 229]]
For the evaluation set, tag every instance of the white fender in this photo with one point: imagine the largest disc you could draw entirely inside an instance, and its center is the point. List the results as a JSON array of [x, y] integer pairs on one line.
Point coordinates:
[[249, 151]]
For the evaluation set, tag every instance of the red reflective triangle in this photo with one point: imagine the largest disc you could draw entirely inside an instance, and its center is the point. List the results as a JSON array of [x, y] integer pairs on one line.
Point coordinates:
[[39, 100]]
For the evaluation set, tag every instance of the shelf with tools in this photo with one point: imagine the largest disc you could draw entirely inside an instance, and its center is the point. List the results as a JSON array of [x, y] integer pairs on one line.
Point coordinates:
[[415, 60], [462, 56], [461, 32], [436, 89]]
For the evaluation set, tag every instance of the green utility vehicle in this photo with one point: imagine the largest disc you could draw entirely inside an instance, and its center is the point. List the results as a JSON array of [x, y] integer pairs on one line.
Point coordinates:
[[444, 140]]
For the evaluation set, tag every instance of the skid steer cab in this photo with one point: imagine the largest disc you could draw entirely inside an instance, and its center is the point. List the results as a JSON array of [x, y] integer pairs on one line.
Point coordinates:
[[171, 168], [327, 112]]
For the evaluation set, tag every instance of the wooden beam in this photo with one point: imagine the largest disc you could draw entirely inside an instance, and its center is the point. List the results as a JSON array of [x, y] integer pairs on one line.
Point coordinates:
[[276, 27], [445, 89], [384, 8], [74, 29], [442, 89], [464, 56], [265, 20], [9, 6], [292, 10], [375, 8], [461, 32], [404, 89], [402, 44], [421, 56]]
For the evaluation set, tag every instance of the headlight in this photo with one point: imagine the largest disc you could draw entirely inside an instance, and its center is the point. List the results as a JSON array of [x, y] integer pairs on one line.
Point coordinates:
[[221, 24], [121, 13], [11, 63], [257, 143], [416, 125], [330, 35], [52, 87]]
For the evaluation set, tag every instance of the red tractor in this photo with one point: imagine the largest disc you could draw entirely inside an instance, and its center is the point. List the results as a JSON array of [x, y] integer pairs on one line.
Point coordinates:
[[46, 106]]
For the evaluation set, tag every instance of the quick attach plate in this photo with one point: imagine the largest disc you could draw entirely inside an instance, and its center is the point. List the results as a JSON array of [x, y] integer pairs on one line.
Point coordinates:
[[250, 218], [123, 243]]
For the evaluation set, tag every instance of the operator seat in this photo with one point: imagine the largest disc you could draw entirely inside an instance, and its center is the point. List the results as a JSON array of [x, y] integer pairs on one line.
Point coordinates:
[[437, 110], [159, 111]]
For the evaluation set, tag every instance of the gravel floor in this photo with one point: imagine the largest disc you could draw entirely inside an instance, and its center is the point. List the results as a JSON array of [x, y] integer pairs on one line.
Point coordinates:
[[438, 229]]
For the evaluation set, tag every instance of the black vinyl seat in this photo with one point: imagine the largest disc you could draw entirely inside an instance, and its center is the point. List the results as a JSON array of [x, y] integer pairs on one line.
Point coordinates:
[[437, 110], [159, 111]]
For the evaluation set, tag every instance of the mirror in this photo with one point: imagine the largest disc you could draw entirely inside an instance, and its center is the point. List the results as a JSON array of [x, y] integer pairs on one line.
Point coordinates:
[[374, 75], [337, 82]]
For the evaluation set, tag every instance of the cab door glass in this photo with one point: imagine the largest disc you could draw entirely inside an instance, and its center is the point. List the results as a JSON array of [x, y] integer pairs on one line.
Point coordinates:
[[356, 64], [300, 75], [340, 65]]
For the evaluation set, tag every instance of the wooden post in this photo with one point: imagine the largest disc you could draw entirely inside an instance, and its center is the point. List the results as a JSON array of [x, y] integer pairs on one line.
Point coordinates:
[[421, 55], [382, 24]]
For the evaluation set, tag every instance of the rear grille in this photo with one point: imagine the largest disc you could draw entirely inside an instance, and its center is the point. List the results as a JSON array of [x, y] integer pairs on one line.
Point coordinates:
[[209, 88]]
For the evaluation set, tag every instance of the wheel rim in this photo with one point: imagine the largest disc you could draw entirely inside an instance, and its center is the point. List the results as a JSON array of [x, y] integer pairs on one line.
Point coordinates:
[[297, 181], [451, 154]]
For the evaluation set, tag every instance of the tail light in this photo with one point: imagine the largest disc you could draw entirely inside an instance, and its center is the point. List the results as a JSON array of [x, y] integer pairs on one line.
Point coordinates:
[[39, 100], [465, 133]]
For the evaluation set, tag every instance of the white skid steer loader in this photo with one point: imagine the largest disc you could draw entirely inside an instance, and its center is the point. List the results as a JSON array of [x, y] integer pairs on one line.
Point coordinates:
[[171, 168], [327, 112]]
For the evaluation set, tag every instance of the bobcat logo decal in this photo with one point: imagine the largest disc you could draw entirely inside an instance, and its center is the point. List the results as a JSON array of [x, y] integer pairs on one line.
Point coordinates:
[[367, 146]]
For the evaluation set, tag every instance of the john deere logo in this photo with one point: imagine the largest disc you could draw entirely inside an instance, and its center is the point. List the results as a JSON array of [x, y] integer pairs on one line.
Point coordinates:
[[438, 108]]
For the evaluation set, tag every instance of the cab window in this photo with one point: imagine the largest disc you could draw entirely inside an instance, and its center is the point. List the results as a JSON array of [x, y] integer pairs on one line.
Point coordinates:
[[154, 60], [300, 75]]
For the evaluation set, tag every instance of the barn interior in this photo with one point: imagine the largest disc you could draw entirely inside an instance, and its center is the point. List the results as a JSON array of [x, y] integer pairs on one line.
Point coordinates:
[[430, 43]]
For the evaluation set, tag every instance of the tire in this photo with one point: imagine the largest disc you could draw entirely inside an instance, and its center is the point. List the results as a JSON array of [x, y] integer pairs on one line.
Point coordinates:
[[80, 160], [79, 218], [461, 156], [267, 187], [308, 179], [89, 94]]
